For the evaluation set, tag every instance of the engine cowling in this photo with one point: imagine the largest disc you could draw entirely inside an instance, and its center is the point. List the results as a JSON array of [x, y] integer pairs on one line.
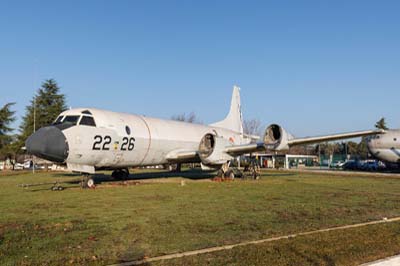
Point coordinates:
[[276, 138], [212, 150]]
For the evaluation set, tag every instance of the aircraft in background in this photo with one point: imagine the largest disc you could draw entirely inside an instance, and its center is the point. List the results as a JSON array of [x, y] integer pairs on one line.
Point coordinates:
[[385, 147], [89, 139]]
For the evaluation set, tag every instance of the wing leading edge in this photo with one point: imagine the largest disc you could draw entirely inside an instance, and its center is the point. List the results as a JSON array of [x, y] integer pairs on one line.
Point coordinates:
[[285, 141], [288, 142]]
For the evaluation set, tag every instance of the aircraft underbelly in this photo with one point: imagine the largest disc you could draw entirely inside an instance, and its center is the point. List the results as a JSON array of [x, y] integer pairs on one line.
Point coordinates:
[[388, 155]]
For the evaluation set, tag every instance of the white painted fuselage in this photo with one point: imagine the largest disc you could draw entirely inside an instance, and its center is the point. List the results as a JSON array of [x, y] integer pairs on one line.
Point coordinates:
[[125, 140], [385, 147], [87, 139]]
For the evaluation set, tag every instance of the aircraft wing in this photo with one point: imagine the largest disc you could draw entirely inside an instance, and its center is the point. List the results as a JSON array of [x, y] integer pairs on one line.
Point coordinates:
[[318, 139], [276, 138]]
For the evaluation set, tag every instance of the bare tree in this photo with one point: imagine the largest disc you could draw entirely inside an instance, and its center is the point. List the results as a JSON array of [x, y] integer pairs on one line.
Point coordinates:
[[189, 118], [252, 127]]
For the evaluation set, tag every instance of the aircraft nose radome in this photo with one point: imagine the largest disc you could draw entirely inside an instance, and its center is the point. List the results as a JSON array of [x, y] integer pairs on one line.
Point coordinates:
[[48, 143]]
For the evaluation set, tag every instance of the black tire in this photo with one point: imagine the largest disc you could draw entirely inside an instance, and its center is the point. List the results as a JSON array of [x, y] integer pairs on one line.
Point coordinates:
[[120, 174], [220, 173], [124, 174], [88, 182], [116, 174], [256, 176], [230, 174]]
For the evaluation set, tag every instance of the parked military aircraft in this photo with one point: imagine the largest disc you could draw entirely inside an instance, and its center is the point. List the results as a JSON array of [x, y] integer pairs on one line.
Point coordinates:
[[385, 147], [89, 139]]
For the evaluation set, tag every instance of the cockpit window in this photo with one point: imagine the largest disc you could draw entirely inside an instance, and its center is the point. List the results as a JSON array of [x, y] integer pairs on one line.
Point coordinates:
[[58, 120], [71, 119], [87, 112], [87, 121]]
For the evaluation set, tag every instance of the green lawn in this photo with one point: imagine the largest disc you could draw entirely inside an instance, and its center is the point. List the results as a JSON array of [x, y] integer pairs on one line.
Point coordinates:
[[120, 223]]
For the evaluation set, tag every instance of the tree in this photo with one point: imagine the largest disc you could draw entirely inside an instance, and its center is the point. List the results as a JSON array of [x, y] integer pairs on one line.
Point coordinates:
[[252, 127], [381, 124], [352, 148], [6, 118], [362, 148], [189, 118], [45, 106]]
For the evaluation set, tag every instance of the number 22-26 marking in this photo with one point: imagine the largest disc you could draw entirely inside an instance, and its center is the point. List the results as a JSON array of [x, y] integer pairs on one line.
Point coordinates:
[[98, 140]]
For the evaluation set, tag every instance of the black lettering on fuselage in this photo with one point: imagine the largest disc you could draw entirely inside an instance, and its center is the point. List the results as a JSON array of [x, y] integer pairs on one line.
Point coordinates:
[[127, 143]]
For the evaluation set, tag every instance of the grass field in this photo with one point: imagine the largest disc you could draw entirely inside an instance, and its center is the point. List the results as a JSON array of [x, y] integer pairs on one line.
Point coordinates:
[[115, 223]]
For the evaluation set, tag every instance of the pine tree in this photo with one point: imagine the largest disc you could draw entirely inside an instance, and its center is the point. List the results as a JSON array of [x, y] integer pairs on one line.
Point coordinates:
[[45, 106], [6, 118]]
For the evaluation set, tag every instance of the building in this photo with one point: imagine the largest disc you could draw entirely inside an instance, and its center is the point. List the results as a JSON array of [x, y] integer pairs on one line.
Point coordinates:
[[286, 161]]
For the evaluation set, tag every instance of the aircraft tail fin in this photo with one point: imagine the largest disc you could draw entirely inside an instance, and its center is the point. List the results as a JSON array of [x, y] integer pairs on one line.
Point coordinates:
[[233, 120]]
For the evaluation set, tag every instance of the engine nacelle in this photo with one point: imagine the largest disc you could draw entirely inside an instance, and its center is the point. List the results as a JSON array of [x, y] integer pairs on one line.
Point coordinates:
[[276, 138], [212, 150]]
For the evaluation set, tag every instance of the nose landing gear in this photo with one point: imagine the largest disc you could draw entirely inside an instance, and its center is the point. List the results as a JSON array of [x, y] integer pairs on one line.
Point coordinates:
[[87, 181]]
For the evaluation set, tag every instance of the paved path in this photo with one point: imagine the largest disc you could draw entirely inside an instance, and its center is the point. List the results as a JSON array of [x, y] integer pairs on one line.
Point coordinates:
[[227, 247], [392, 261], [342, 172]]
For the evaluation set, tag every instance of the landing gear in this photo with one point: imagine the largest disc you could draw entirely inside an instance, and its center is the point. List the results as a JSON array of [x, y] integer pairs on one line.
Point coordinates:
[[175, 167], [229, 173], [252, 170], [220, 173], [178, 167], [120, 174], [87, 181], [57, 187]]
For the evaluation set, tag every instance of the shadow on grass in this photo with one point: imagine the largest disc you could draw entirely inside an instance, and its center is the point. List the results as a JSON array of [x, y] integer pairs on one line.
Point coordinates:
[[99, 178], [190, 174], [266, 174], [193, 174]]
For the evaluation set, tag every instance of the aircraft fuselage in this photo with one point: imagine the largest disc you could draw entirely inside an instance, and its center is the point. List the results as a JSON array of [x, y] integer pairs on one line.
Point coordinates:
[[118, 140], [385, 147]]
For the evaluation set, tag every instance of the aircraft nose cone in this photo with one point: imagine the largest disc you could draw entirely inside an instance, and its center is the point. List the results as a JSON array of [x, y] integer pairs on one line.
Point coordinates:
[[48, 143]]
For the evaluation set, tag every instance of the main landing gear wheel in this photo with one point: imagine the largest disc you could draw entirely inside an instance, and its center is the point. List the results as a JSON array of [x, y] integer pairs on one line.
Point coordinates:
[[87, 182], [220, 173], [177, 168], [230, 174], [120, 174]]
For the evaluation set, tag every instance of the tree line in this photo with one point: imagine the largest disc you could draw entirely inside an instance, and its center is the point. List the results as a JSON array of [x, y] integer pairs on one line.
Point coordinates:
[[44, 107]]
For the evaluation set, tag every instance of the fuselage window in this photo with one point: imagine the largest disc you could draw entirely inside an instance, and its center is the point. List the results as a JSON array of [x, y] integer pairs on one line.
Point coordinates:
[[58, 120], [128, 130], [71, 119], [87, 121]]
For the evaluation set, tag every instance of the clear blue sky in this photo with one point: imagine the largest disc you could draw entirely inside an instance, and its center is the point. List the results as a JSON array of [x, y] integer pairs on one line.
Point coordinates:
[[313, 66]]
